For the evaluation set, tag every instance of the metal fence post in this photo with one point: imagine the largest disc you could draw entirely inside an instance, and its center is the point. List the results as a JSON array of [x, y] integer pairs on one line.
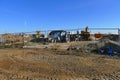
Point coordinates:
[[23, 39], [119, 36]]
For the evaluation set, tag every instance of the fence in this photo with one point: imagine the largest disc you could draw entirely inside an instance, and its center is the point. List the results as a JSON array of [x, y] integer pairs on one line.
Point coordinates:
[[34, 38]]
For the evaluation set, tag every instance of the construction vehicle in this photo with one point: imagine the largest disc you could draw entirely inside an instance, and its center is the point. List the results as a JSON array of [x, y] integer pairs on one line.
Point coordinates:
[[38, 34], [57, 36], [97, 35], [39, 38], [64, 36], [85, 34]]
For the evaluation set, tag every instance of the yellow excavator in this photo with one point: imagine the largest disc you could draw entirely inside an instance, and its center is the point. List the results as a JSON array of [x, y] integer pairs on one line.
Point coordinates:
[[85, 34]]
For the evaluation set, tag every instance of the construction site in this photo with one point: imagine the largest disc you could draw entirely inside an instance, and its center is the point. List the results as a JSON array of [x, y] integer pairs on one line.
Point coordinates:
[[76, 54]]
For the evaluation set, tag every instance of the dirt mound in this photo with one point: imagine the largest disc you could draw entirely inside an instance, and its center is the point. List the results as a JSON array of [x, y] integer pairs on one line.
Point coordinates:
[[107, 44]]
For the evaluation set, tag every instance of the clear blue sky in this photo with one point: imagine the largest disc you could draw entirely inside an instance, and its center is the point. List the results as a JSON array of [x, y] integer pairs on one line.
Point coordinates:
[[31, 15]]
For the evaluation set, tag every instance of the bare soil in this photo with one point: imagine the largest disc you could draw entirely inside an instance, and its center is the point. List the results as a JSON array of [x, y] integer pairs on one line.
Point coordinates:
[[47, 64]]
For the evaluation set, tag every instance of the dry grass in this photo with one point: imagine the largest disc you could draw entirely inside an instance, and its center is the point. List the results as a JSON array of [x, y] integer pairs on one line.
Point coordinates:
[[45, 63]]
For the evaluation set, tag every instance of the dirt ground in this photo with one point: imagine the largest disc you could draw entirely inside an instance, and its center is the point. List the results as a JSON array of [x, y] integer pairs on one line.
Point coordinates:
[[46, 64]]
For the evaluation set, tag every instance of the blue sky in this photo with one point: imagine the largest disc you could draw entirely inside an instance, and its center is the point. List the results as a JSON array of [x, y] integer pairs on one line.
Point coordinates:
[[32, 15]]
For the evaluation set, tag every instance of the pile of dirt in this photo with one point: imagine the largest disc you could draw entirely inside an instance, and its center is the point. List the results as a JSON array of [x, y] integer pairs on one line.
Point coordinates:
[[89, 47], [107, 44]]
